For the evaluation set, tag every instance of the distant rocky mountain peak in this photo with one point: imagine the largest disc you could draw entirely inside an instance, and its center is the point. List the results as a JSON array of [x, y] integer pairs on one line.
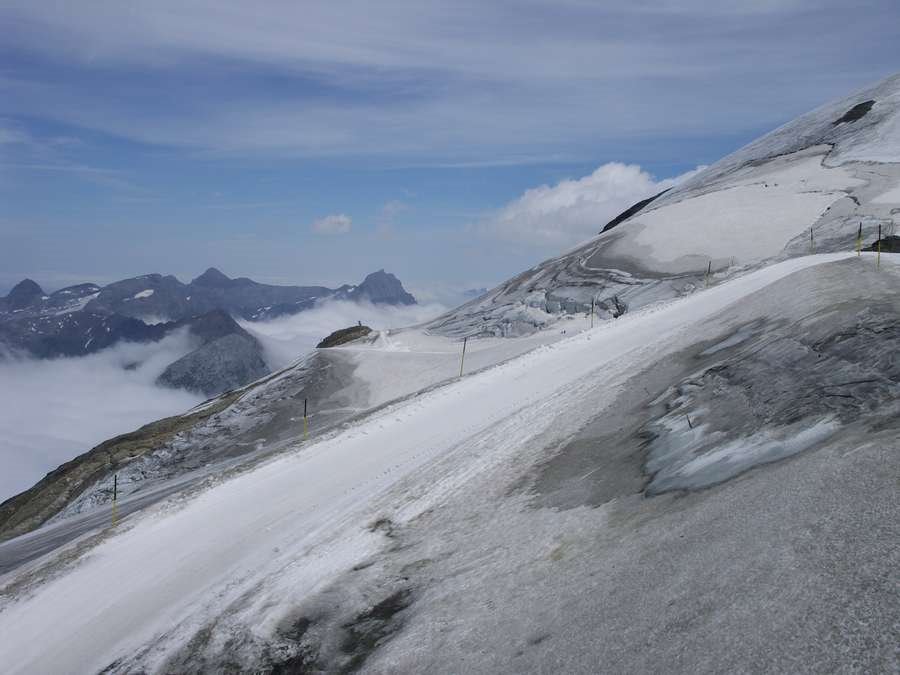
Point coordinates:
[[382, 287], [228, 356], [211, 277], [24, 294]]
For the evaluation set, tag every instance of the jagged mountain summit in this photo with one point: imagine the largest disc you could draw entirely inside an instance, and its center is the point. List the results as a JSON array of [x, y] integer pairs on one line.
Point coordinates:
[[153, 296], [707, 484], [381, 288], [24, 294], [808, 186]]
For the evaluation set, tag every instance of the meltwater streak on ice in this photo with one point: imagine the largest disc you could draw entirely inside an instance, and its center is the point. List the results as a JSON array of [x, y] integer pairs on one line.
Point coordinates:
[[188, 563]]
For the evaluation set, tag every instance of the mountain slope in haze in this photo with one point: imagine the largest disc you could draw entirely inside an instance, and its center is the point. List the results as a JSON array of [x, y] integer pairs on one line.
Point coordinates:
[[83, 319], [164, 296], [226, 358], [808, 186]]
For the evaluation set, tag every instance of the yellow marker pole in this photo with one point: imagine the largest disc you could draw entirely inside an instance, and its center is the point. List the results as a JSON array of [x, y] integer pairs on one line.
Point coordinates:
[[115, 515], [462, 359]]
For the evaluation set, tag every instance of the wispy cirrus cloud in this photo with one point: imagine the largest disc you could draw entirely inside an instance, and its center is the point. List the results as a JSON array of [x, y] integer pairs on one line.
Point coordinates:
[[385, 222], [547, 78], [22, 151], [337, 223]]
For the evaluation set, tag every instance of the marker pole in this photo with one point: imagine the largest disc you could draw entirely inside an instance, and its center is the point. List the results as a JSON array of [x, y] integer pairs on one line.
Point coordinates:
[[878, 255], [812, 246], [462, 360], [305, 420], [859, 240], [708, 272], [592, 312], [115, 498]]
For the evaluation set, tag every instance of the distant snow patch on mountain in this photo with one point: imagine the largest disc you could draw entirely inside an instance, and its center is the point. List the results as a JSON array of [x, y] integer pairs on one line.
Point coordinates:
[[576, 209]]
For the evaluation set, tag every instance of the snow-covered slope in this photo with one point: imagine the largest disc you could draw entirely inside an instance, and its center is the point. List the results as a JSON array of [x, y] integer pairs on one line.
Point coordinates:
[[242, 426], [807, 186], [296, 563]]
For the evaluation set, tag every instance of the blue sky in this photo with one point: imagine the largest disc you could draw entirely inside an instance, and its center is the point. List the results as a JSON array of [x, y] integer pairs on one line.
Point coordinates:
[[315, 142]]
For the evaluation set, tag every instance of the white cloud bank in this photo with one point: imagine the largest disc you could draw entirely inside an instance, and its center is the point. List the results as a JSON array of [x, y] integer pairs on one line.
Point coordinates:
[[53, 410], [338, 223], [287, 338], [572, 211]]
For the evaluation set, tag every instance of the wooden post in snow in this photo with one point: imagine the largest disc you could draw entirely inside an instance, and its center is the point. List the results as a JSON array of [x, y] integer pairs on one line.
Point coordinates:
[[812, 246], [859, 240], [592, 312], [305, 420], [462, 359], [708, 272]]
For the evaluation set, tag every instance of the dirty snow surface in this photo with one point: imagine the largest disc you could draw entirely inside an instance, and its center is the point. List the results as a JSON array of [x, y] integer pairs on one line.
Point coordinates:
[[705, 485]]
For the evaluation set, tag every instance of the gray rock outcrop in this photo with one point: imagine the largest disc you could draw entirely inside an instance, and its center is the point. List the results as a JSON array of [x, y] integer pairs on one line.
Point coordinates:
[[223, 364]]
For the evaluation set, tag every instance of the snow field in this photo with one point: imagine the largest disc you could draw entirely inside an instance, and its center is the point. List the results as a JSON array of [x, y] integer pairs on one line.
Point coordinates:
[[749, 220], [298, 521], [892, 196]]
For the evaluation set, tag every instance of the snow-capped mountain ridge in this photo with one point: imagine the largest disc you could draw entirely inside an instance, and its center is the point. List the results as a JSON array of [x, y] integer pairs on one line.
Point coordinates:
[[826, 172], [82, 319], [870, 134]]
